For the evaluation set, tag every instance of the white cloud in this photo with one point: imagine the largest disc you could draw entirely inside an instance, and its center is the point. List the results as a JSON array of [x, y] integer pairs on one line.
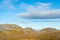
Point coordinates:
[[37, 11], [6, 4], [40, 11]]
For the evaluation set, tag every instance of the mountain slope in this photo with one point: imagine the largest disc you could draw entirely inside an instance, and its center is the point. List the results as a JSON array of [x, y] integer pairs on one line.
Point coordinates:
[[10, 29]]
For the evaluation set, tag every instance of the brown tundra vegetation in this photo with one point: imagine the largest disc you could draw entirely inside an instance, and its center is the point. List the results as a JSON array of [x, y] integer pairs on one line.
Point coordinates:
[[15, 32]]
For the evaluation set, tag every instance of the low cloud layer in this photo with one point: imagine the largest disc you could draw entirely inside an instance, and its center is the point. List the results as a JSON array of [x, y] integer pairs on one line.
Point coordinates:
[[40, 11]]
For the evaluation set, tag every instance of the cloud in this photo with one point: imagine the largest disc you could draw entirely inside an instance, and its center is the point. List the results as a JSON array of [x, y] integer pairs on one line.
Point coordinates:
[[7, 4], [40, 11], [37, 11]]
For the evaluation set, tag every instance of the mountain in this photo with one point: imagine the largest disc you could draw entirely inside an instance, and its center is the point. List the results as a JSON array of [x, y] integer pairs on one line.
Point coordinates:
[[15, 32], [49, 34], [48, 30], [29, 30], [10, 28]]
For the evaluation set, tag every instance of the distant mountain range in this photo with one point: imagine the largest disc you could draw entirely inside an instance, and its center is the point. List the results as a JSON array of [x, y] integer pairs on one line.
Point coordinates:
[[15, 32]]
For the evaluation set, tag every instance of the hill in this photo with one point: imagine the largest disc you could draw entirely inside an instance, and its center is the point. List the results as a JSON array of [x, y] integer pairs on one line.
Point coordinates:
[[15, 32]]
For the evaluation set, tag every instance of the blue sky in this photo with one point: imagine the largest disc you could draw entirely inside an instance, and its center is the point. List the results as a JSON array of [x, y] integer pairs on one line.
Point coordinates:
[[36, 14]]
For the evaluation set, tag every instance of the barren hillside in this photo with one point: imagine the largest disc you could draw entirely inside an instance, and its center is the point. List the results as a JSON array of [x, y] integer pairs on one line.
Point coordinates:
[[15, 32]]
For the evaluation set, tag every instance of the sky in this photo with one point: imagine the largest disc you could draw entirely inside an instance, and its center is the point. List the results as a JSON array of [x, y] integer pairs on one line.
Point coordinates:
[[36, 14]]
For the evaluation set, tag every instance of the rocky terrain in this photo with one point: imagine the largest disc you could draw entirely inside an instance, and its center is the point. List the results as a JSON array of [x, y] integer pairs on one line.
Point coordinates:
[[15, 32]]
